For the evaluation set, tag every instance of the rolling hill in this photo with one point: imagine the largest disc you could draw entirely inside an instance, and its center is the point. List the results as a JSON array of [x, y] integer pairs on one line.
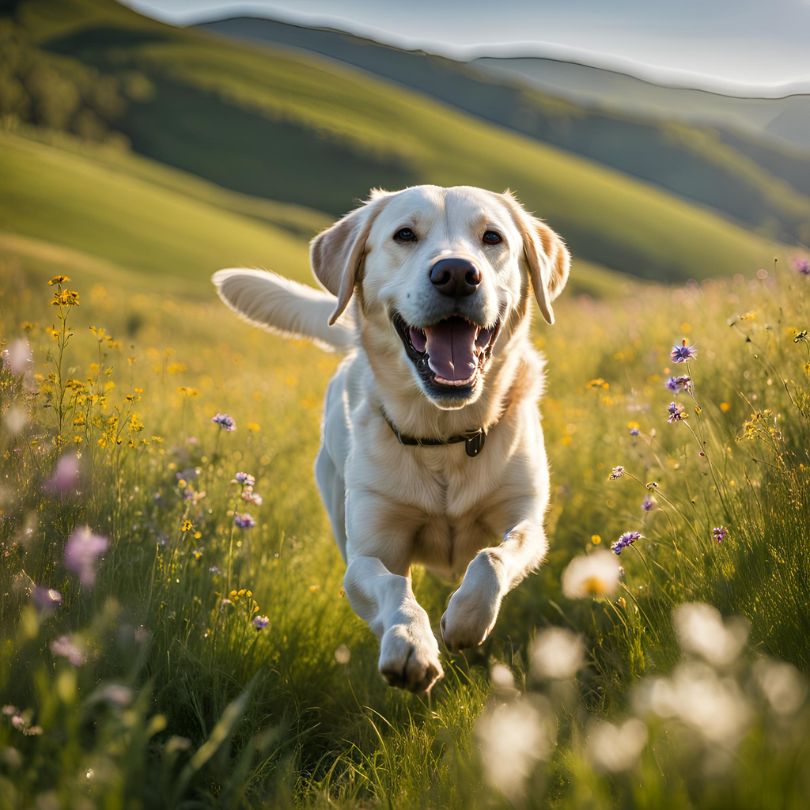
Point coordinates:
[[751, 185], [91, 205], [785, 118]]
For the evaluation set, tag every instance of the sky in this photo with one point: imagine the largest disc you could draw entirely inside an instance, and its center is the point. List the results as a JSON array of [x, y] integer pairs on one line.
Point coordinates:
[[730, 45]]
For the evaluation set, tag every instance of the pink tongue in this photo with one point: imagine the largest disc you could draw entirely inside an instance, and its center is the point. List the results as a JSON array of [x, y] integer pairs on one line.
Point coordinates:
[[451, 348]]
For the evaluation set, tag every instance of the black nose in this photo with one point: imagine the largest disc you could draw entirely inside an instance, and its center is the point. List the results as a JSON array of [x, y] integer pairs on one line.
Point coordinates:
[[455, 277]]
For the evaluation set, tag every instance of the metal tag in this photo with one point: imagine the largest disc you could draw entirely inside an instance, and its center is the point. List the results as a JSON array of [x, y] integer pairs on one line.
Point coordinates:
[[475, 444]]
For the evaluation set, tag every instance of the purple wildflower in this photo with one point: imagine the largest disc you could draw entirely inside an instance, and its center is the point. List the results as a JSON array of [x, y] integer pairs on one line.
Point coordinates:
[[801, 264], [648, 504], [681, 383], [616, 472], [676, 413], [245, 479], [260, 622], [81, 552], [627, 539], [682, 353], [224, 421], [243, 520], [46, 599], [634, 431], [66, 647], [719, 533], [65, 477]]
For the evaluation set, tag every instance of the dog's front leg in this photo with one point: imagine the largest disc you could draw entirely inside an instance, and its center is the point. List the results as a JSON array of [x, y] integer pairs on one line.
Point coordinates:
[[379, 544], [409, 652], [493, 572]]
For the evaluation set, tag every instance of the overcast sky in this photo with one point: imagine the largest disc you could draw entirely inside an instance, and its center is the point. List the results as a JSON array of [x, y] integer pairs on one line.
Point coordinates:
[[712, 43]]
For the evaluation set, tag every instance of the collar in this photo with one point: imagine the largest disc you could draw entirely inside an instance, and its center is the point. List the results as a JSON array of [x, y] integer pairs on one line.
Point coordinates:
[[473, 439]]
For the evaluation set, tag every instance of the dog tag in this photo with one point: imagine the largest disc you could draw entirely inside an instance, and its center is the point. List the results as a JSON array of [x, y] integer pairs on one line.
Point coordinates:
[[475, 444]]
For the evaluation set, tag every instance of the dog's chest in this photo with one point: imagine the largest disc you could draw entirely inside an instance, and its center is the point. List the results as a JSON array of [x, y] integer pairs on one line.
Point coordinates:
[[447, 545]]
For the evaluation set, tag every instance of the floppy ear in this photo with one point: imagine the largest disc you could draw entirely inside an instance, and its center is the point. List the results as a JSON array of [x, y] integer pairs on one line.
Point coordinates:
[[546, 255], [337, 254]]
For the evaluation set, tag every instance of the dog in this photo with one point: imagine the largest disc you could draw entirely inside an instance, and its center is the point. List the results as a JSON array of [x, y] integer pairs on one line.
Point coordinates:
[[432, 449]]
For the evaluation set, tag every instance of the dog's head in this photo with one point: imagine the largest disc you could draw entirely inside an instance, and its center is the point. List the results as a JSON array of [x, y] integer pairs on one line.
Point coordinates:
[[443, 277]]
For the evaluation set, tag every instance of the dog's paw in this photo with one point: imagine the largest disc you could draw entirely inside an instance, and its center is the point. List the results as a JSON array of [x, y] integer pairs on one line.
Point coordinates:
[[474, 607], [409, 658]]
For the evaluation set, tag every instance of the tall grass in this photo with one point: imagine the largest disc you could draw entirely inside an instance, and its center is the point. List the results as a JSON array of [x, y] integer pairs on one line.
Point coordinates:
[[152, 684]]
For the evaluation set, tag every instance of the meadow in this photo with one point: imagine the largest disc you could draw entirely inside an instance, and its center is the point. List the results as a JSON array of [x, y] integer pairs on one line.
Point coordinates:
[[173, 631], [156, 653]]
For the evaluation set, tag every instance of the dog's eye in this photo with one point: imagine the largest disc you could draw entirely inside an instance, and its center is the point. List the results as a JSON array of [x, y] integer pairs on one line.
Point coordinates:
[[404, 235], [492, 238]]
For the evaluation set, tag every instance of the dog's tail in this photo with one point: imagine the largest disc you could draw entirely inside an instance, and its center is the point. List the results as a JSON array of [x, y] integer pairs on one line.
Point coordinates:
[[285, 307]]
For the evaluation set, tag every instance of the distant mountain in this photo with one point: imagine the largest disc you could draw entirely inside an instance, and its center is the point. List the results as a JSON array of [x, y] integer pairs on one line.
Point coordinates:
[[763, 187], [785, 118]]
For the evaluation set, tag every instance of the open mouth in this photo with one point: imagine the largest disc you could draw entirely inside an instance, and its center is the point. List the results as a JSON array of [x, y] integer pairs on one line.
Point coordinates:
[[448, 354]]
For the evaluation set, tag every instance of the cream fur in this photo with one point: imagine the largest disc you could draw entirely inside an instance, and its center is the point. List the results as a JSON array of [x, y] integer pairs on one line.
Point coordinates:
[[479, 519]]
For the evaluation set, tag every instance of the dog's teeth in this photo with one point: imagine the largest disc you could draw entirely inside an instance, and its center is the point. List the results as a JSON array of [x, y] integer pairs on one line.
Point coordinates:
[[455, 383]]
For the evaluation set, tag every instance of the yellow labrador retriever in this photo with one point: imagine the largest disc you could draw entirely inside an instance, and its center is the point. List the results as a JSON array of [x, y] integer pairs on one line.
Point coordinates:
[[432, 448]]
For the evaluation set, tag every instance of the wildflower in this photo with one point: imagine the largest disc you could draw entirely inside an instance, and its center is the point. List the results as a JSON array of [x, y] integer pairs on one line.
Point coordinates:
[[616, 748], [17, 358], [512, 738], [224, 421], [186, 526], [598, 382], [557, 653], [648, 504], [260, 622], [681, 383], [725, 407], [66, 647], [596, 539], [719, 533], [781, 684], [802, 265], [243, 520], [245, 479], [115, 694], [46, 599], [682, 353], [676, 413], [702, 631], [81, 552], [66, 475], [714, 706], [625, 540], [61, 279], [343, 654], [616, 472], [595, 574], [634, 431], [65, 298], [249, 496]]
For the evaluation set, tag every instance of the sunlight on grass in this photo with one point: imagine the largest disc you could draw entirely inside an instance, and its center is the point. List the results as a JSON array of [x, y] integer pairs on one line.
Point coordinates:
[[173, 622]]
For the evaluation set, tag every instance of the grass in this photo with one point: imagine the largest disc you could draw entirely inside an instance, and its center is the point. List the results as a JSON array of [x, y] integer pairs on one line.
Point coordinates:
[[208, 711], [275, 123]]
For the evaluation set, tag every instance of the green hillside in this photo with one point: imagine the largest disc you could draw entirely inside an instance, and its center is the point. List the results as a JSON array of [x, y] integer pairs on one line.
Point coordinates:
[[156, 222], [110, 212], [296, 129], [694, 163]]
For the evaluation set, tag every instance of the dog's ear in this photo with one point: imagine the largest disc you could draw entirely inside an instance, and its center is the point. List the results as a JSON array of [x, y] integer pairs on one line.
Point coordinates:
[[337, 253], [547, 257]]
